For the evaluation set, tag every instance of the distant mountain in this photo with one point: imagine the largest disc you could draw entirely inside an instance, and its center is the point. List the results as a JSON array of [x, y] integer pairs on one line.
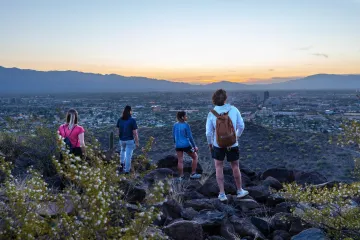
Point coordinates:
[[14, 80]]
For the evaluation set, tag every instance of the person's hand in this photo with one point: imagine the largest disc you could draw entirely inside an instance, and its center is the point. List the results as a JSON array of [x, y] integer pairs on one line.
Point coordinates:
[[196, 149], [210, 147], [137, 144]]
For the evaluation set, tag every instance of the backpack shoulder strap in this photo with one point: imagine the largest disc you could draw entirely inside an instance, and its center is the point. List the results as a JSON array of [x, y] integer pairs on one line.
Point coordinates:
[[70, 132], [215, 113]]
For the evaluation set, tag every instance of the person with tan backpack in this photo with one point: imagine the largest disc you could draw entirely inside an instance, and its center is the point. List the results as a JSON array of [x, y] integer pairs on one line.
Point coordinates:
[[224, 126]]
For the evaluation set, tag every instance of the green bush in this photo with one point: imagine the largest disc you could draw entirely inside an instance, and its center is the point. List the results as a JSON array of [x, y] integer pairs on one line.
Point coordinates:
[[90, 207]]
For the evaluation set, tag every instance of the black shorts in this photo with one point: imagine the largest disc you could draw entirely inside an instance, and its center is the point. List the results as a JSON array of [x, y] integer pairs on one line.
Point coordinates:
[[231, 154], [186, 149]]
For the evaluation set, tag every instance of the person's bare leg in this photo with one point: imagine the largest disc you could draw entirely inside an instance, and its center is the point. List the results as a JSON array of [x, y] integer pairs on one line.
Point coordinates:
[[236, 173], [180, 156], [219, 166], [194, 157]]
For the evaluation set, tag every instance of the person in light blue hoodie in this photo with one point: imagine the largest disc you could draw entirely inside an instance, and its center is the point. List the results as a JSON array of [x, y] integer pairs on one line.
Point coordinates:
[[184, 142], [232, 152]]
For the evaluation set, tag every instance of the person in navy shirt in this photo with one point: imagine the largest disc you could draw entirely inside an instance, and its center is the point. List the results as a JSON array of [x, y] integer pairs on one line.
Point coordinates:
[[184, 142], [129, 139]]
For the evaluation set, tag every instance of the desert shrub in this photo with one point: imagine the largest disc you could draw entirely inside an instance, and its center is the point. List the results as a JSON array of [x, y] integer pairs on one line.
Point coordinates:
[[90, 207], [331, 208]]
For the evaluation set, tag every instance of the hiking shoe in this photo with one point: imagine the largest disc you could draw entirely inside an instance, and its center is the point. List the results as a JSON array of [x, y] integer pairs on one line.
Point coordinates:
[[242, 193], [122, 166], [195, 176], [222, 197]]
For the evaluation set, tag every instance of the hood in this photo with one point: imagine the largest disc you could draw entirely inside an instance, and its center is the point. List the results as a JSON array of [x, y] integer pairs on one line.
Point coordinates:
[[222, 109]]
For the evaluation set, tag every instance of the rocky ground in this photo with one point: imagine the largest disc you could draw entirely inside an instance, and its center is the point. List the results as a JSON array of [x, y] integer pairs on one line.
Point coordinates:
[[262, 149], [193, 211]]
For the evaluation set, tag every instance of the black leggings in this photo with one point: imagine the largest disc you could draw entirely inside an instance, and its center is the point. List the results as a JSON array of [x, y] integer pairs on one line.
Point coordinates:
[[77, 151]]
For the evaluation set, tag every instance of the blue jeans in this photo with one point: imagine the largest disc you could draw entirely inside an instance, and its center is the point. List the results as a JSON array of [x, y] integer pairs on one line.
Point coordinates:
[[127, 148]]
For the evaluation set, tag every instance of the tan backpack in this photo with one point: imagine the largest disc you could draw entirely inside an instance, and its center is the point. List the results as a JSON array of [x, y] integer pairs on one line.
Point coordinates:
[[225, 131]]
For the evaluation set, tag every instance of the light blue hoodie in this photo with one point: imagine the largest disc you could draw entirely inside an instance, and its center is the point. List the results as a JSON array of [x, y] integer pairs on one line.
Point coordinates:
[[235, 117]]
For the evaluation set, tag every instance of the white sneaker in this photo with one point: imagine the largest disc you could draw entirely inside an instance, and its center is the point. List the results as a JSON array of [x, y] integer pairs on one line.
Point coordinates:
[[242, 193], [222, 197]]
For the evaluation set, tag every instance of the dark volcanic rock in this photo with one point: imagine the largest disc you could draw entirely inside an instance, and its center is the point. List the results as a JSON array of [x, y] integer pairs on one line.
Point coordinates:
[[133, 193], [244, 227], [216, 238], [227, 230], [284, 207], [273, 183], [330, 184], [274, 199], [309, 178], [281, 235], [171, 208], [172, 161], [201, 204], [189, 213], [312, 233], [158, 174], [259, 193], [297, 226], [191, 195], [184, 230], [245, 205], [283, 175], [208, 218], [261, 224], [282, 221]]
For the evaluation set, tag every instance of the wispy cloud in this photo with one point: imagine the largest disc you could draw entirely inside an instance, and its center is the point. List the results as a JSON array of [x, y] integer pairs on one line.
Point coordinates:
[[305, 48], [321, 55]]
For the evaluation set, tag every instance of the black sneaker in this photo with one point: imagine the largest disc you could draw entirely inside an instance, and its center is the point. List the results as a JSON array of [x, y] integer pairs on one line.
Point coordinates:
[[121, 167]]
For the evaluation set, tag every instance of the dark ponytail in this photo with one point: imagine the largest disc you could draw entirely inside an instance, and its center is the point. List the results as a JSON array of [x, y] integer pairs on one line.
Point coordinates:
[[126, 113], [180, 116]]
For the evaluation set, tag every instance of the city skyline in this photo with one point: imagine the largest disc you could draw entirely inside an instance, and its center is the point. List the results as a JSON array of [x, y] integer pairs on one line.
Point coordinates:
[[195, 42]]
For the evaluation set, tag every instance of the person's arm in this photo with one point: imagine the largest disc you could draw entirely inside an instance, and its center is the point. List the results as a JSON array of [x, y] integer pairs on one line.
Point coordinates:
[[135, 133], [209, 131], [240, 125], [82, 142], [117, 129], [173, 133], [190, 136]]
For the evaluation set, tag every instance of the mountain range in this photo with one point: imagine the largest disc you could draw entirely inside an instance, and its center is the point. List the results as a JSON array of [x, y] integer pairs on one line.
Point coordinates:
[[15, 80]]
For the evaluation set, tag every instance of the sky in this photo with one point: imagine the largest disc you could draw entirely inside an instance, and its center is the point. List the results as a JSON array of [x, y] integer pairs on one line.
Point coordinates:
[[195, 41]]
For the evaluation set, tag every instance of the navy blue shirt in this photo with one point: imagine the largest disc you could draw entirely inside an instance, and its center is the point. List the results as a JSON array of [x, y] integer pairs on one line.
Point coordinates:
[[126, 128]]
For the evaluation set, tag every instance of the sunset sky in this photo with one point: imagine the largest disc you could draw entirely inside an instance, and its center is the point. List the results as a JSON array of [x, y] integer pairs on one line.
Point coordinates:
[[195, 41]]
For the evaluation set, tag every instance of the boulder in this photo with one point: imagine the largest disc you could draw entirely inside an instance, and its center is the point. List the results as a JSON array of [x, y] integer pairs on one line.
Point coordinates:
[[53, 208], [309, 178], [158, 174], [312, 233], [191, 195], [210, 187], [283, 175], [171, 162], [171, 208], [189, 213], [227, 231], [215, 238], [273, 183], [297, 226], [209, 218], [284, 207], [261, 224], [200, 204], [260, 193], [274, 199], [184, 230], [132, 193], [244, 227], [281, 235], [245, 205], [282, 221], [330, 184]]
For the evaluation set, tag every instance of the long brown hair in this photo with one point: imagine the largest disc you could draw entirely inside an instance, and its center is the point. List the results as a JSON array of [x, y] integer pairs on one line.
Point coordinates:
[[126, 113], [72, 117]]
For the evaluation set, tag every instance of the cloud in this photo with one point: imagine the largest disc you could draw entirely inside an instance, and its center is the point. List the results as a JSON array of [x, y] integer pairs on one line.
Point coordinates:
[[271, 70], [305, 48], [320, 55]]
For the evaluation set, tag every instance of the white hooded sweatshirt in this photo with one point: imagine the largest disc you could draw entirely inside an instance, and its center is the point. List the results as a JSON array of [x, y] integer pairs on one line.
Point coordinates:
[[235, 117]]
